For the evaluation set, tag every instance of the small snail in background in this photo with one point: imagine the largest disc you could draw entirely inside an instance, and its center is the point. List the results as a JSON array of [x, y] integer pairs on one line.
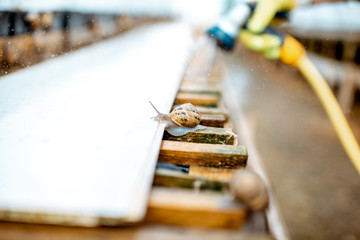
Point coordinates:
[[182, 120], [248, 187]]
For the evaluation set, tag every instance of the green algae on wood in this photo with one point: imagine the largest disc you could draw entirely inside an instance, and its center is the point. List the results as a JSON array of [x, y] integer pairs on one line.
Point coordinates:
[[168, 178], [211, 135]]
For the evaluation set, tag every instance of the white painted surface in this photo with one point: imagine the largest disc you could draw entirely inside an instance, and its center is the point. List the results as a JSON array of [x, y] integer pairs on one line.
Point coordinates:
[[333, 16], [198, 11], [75, 132], [339, 21]]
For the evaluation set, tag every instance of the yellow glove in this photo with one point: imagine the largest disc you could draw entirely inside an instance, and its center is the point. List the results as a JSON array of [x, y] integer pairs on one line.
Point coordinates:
[[274, 46], [266, 43], [265, 11]]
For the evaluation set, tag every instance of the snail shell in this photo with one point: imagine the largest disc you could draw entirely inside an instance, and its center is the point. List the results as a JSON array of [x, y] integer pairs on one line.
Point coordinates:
[[249, 188], [186, 115], [182, 120]]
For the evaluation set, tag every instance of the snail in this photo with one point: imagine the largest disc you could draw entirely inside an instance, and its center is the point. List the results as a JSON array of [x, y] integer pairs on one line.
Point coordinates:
[[182, 120], [248, 187]]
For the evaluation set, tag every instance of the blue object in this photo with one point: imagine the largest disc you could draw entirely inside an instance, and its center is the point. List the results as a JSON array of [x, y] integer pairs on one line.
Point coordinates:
[[223, 40]]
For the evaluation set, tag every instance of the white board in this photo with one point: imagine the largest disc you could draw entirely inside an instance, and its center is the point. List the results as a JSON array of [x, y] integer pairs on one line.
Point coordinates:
[[77, 145]]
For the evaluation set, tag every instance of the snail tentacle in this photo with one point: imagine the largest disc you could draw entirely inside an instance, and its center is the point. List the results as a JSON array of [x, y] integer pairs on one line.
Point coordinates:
[[182, 120], [160, 117]]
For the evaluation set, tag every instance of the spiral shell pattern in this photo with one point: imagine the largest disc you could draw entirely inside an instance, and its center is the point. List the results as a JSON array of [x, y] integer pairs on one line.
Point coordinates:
[[186, 115]]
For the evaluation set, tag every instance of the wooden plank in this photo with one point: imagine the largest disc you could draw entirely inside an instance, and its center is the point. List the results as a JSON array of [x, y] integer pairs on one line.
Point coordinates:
[[195, 209], [188, 77], [191, 154], [170, 178], [18, 231], [200, 87], [208, 135], [213, 120], [197, 99], [69, 132], [211, 173], [3, 44], [213, 110], [210, 110], [20, 50]]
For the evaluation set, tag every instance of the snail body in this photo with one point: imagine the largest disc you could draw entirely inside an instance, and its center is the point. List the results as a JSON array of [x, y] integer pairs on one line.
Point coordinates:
[[182, 120]]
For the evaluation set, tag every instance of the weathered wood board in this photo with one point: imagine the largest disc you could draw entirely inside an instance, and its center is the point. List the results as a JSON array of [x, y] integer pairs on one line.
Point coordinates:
[[204, 99], [199, 154], [213, 120], [208, 135], [170, 178], [200, 87], [210, 111], [18, 231], [211, 173], [189, 208]]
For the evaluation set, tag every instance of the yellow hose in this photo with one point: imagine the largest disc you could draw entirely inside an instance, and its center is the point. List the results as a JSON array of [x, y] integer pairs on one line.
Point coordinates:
[[293, 53], [332, 108]]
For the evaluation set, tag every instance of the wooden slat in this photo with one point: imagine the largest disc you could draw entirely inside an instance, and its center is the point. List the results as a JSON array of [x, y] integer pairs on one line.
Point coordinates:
[[18, 231], [195, 209], [187, 154], [210, 110], [197, 99], [208, 135], [213, 120], [20, 50], [200, 87], [213, 110], [170, 178], [211, 173], [188, 77]]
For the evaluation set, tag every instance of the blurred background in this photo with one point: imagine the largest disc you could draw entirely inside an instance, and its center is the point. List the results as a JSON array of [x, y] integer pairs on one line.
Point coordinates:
[[315, 184]]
